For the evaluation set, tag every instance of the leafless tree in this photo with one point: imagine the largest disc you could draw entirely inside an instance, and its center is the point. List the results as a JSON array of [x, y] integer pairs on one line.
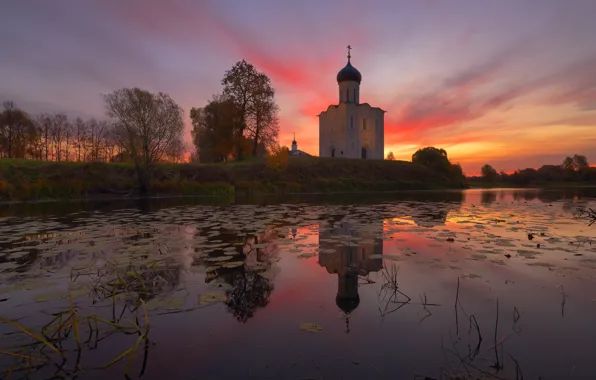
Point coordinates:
[[57, 132], [17, 131], [148, 126], [80, 135], [95, 140]]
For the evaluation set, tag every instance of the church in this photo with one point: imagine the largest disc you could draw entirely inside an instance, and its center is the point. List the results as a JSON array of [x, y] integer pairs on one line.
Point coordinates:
[[351, 129]]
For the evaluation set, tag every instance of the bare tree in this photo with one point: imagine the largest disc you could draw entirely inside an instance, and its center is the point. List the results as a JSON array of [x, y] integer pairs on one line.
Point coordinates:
[[68, 139], [57, 131], [17, 132], [45, 122], [147, 125], [80, 135], [95, 139]]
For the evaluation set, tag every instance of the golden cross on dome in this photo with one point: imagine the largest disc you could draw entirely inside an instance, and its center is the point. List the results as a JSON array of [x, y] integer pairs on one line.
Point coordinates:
[[349, 50]]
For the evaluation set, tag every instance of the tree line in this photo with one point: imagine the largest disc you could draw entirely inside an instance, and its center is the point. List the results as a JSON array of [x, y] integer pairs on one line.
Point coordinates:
[[55, 137], [572, 169], [147, 128]]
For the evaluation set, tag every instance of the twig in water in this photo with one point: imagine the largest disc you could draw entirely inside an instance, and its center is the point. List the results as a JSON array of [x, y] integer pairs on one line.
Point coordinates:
[[472, 355], [455, 306], [563, 300], [497, 364]]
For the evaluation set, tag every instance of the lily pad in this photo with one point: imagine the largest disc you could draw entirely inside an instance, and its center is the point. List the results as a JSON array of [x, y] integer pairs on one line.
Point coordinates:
[[311, 327], [211, 297]]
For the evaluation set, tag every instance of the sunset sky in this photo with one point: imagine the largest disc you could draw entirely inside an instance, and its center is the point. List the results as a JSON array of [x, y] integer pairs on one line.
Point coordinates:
[[510, 82]]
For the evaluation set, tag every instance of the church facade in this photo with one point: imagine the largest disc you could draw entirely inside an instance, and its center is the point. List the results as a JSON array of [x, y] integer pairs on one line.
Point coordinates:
[[351, 129]]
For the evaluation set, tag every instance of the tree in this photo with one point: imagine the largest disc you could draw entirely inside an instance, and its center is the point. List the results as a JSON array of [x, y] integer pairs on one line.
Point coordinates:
[[80, 135], [390, 156], [97, 131], [17, 132], [147, 126], [253, 96], [263, 124], [433, 158], [577, 162], [57, 131], [279, 157], [215, 129], [489, 173]]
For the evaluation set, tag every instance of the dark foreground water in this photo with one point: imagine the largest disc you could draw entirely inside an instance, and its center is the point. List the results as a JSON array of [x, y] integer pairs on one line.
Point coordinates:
[[478, 284]]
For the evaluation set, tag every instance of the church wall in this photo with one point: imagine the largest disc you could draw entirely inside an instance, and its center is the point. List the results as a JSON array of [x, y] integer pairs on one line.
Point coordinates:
[[372, 138], [332, 131]]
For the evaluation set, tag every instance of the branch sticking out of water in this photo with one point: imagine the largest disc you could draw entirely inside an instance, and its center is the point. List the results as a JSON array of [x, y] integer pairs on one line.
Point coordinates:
[[588, 213]]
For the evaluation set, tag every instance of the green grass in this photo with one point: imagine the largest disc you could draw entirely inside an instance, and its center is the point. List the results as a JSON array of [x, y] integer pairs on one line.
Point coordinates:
[[39, 180]]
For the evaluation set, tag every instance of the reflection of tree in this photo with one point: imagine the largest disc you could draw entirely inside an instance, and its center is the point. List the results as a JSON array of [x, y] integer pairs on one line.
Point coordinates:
[[488, 197], [251, 283], [433, 213], [250, 291]]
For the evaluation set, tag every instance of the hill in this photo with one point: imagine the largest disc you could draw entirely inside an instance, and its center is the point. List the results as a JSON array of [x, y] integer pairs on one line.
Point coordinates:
[[35, 180]]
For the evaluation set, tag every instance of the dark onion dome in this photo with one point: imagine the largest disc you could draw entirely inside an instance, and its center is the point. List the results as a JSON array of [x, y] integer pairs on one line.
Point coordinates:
[[349, 73], [347, 304]]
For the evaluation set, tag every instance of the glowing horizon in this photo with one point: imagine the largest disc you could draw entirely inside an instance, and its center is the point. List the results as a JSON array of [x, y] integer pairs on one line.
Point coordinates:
[[507, 83]]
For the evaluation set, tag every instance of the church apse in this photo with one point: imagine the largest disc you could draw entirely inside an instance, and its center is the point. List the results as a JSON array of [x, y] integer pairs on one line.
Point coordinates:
[[350, 261], [351, 129]]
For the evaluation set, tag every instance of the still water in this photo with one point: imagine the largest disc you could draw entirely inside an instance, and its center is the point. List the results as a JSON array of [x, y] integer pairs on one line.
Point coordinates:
[[477, 284]]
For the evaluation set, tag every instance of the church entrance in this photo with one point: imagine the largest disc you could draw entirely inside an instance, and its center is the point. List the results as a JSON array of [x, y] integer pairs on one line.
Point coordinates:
[[363, 155]]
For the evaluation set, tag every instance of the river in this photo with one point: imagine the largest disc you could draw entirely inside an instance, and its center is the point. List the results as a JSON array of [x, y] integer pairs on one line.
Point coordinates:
[[496, 283]]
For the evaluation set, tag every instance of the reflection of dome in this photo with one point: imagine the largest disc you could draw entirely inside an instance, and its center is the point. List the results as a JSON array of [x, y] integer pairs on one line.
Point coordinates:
[[349, 74], [347, 304]]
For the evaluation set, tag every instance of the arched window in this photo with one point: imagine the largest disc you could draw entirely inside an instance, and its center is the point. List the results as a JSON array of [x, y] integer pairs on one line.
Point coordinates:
[[363, 152], [347, 94], [333, 152], [355, 96]]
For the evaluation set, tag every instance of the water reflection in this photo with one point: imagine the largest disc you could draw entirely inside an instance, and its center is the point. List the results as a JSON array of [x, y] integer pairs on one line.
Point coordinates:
[[266, 263], [361, 256], [250, 277], [154, 204]]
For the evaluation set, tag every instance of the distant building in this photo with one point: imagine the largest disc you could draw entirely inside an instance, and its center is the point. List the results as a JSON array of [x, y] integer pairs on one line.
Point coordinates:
[[294, 151], [351, 129]]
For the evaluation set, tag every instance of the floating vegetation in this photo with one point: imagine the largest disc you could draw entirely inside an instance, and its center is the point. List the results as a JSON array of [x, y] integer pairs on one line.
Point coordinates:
[[69, 284], [211, 297], [311, 327]]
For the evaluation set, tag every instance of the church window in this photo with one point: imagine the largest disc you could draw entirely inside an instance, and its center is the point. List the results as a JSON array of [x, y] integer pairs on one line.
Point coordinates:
[[354, 95], [333, 152], [342, 152], [347, 94]]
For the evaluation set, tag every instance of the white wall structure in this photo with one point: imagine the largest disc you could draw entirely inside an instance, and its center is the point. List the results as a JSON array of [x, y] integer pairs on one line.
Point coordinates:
[[351, 129]]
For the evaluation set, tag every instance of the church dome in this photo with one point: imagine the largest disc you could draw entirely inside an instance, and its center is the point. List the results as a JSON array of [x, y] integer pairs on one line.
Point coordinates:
[[347, 304], [349, 73]]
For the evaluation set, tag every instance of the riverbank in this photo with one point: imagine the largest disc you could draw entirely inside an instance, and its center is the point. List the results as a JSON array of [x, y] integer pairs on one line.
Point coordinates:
[[539, 185], [39, 180]]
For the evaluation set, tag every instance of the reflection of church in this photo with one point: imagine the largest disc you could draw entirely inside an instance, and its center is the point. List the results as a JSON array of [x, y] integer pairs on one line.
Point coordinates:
[[348, 261]]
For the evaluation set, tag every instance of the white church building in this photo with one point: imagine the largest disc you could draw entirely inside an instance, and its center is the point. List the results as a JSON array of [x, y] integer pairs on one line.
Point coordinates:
[[351, 129]]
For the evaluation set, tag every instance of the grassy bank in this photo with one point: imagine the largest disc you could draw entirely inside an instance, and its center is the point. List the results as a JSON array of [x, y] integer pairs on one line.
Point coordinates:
[[36, 180], [538, 184]]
